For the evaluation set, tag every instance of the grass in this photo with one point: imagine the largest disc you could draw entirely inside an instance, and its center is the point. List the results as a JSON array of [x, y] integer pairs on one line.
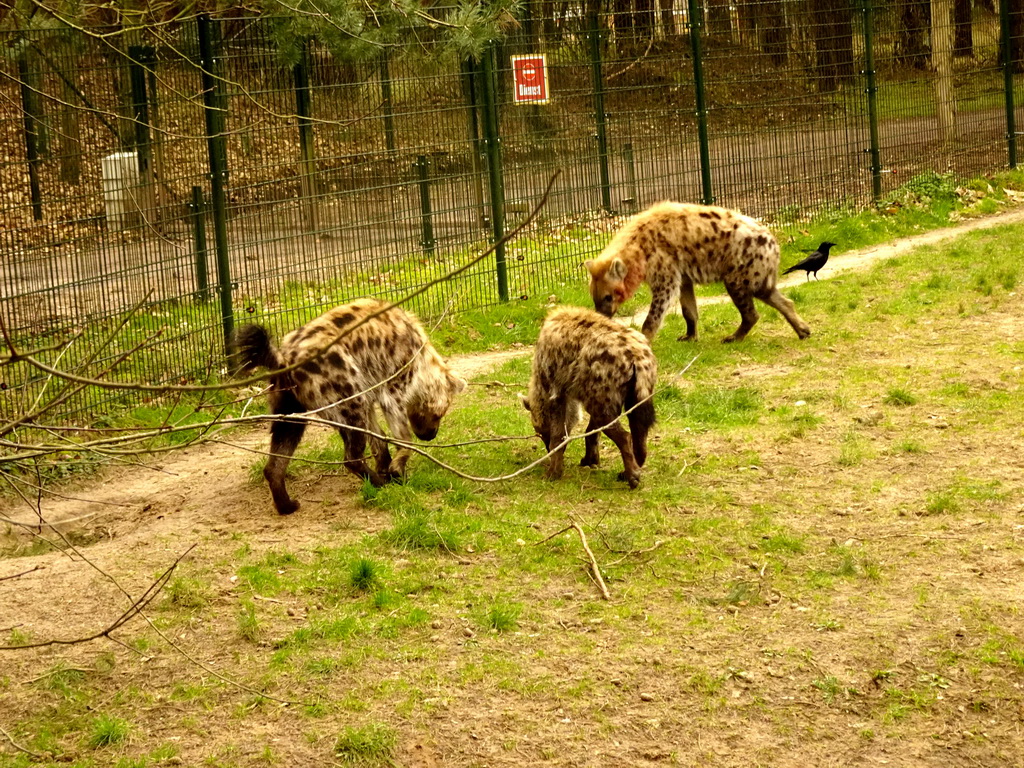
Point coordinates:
[[445, 617], [372, 744]]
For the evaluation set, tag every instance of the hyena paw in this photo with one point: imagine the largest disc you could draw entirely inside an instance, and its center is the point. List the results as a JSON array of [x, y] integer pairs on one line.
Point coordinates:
[[590, 461], [288, 507], [633, 480], [804, 332], [688, 337], [553, 474]]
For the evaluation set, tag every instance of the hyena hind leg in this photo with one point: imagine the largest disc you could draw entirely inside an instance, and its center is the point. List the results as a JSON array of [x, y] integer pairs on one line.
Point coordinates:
[[688, 305], [748, 313], [592, 455], [773, 298], [631, 470], [284, 439]]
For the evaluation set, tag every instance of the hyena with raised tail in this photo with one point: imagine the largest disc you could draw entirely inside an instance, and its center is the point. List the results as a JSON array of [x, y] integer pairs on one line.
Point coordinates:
[[349, 370], [584, 359], [674, 246]]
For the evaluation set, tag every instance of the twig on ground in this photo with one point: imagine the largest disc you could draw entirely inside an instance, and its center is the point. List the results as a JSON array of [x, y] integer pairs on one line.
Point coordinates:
[[594, 568], [20, 748], [23, 573]]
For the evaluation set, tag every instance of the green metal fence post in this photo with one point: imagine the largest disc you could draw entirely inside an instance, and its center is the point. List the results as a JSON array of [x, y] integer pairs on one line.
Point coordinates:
[[871, 90], [307, 149], [197, 207], [1005, 48], [31, 139], [696, 24], [471, 80], [600, 117], [422, 166], [216, 145], [386, 102], [495, 171]]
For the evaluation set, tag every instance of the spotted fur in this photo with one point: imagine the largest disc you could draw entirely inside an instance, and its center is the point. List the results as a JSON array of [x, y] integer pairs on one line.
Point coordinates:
[[674, 246], [583, 359], [388, 362]]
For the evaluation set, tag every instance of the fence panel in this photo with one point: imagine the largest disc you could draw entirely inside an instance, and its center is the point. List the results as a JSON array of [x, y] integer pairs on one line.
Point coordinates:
[[237, 171]]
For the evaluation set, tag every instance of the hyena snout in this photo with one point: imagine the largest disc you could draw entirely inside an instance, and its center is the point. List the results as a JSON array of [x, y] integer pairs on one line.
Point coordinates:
[[425, 427]]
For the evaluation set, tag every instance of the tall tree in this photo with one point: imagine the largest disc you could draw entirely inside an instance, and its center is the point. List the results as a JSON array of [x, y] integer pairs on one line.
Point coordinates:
[[915, 18], [833, 42], [963, 36], [718, 21], [1016, 35], [774, 31]]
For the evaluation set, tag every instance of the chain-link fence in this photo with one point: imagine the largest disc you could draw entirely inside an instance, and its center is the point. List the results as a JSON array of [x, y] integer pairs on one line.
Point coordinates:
[[213, 170]]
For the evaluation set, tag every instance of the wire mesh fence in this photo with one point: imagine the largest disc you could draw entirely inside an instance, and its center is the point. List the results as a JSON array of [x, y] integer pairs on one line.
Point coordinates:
[[212, 171]]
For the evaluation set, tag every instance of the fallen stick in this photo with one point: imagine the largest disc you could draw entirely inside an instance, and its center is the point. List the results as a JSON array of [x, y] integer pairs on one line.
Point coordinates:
[[595, 570]]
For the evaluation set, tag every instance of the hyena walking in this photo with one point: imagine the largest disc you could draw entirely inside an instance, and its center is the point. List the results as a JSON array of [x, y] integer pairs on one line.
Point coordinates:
[[585, 359], [673, 246], [387, 362]]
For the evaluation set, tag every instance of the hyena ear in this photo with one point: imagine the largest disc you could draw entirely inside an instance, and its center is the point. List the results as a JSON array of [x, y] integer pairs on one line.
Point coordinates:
[[591, 266], [617, 271], [525, 402], [457, 384]]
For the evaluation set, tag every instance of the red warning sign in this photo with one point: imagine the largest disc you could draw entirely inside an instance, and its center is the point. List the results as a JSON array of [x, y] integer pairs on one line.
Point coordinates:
[[530, 74]]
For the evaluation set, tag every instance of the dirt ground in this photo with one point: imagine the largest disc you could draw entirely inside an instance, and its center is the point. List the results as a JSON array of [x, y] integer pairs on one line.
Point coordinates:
[[135, 520]]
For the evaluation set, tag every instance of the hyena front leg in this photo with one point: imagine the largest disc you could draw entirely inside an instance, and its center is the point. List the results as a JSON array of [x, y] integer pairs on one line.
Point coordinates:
[[773, 298], [744, 302], [556, 418], [398, 423], [662, 292], [362, 420], [379, 449], [688, 304], [284, 439]]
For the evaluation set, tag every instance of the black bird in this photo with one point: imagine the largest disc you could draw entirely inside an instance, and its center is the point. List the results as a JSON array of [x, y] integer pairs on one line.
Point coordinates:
[[814, 262]]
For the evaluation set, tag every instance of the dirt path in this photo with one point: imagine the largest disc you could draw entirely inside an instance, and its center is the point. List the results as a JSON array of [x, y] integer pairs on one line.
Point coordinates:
[[128, 496]]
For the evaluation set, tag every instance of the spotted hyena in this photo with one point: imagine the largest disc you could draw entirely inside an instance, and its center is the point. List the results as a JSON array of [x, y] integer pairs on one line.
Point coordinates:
[[673, 246], [584, 359], [387, 362]]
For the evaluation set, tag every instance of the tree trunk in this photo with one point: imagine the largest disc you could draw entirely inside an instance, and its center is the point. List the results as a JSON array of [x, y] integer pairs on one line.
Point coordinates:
[[963, 40], [988, 5], [70, 125], [718, 22], [624, 23], [774, 31], [911, 41], [833, 42], [942, 60], [746, 16], [1016, 35], [668, 20]]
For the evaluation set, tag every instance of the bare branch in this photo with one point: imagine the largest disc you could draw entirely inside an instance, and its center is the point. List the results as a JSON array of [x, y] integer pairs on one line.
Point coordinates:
[[23, 573]]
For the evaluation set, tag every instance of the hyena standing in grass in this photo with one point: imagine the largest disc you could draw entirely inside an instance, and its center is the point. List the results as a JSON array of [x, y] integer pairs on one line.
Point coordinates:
[[673, 246], [585, 359], [387, 362]]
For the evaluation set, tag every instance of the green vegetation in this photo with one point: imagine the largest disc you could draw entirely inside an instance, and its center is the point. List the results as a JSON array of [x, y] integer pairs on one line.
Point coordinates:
[[825, 529]]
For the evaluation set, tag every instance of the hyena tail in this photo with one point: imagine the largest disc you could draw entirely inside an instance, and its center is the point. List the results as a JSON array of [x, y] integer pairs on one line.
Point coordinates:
[[253, 349], [641, 418]]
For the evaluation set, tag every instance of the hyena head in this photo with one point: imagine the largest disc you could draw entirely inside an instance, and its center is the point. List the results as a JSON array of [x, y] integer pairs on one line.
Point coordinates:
[[540, 425], [433, 388], [607, 284]]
